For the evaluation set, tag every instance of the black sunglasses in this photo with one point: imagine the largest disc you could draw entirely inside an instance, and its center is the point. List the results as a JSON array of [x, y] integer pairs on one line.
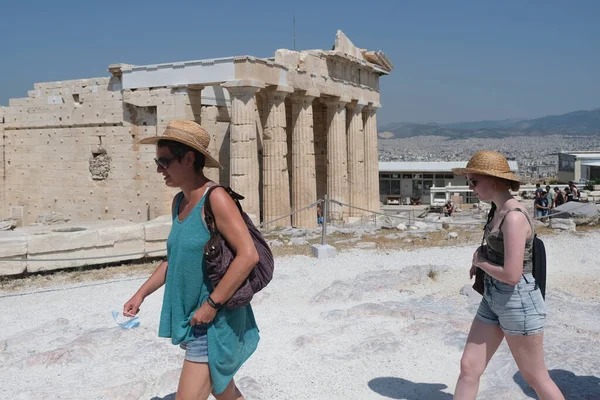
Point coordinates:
[[472, 182], [163, 162]]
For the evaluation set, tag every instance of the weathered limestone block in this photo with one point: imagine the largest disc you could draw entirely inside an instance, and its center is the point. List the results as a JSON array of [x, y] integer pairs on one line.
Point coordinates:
[[71, 244], [156, 233], [12, 245], [564, 224], [125, 250], [62, 238], [158, 229], [118, 234]]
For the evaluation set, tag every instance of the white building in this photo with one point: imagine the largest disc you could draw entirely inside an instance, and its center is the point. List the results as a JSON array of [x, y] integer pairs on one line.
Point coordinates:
[[401, 181], [578, 166]]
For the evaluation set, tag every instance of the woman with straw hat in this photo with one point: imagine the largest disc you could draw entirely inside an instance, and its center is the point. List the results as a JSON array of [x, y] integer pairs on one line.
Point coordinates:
[[512, 306], [216, 340]]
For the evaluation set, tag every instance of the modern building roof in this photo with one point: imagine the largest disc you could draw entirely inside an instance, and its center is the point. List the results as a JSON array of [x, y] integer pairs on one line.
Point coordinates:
[[591, 163], [429, 166], [583, 154]]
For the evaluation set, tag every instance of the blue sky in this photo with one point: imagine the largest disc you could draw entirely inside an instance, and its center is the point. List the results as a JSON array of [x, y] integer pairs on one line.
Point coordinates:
[[455, 60]]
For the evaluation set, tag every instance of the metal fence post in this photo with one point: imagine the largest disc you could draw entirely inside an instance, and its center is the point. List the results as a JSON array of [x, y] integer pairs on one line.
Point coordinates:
[[324, 224]]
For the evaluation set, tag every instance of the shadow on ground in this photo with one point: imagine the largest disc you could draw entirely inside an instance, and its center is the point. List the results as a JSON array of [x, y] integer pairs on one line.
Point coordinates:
[[573, 387], [398, 388], [167, 397]]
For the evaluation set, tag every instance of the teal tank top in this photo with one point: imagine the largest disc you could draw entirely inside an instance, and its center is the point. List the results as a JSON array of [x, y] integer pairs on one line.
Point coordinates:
[[233, 335]]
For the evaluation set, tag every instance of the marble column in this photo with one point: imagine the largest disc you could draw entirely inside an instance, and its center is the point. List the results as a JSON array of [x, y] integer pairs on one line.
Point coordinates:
[[320, 122], [276, 190], [371, 157], [356, 159], [337, 160], [304, 182], [244, 167], [208, 120]]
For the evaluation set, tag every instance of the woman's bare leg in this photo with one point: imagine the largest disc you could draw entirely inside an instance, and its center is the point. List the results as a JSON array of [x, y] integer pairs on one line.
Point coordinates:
[[482, 343], [528, 352], [230, 393], [194, 381]]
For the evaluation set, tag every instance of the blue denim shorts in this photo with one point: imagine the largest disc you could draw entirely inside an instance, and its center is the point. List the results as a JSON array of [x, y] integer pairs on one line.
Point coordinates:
[[196, 350], [518, 309]]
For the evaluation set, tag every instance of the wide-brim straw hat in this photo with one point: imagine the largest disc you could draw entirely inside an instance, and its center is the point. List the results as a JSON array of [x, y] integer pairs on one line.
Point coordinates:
[[488, 163], [189, 133]]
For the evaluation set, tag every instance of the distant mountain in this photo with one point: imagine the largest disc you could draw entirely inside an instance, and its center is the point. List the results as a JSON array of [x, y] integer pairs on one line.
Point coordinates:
[[501, 124], [577, 123]]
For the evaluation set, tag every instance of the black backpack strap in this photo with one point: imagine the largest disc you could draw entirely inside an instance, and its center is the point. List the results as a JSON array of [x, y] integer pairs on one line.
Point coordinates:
[[539, 265]]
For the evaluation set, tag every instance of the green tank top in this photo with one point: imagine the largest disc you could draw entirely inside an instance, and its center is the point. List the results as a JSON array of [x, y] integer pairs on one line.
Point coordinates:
[[233, 334]]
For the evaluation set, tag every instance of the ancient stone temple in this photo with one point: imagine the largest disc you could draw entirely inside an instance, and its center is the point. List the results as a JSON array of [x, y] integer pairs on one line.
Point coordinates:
[[287, 130]]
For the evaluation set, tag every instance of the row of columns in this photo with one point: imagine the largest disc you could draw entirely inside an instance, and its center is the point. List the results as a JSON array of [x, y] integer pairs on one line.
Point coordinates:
[[352, 160]]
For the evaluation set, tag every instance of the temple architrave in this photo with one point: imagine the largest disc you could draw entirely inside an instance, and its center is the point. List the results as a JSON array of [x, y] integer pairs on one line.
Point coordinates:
[[287, 130]]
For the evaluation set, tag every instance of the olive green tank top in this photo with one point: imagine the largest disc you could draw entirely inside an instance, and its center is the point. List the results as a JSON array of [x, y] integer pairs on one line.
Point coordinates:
[[495, 244]]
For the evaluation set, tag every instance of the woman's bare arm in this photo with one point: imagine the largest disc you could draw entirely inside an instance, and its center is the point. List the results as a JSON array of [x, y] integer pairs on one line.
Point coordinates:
[[233, 228]]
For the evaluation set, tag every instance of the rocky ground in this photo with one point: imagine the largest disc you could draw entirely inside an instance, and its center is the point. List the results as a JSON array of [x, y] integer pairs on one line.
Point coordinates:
[[381, 320]]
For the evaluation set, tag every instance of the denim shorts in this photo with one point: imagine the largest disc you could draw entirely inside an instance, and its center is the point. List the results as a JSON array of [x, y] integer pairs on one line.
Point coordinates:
[[541, 213], [196, 350], [518, 309]]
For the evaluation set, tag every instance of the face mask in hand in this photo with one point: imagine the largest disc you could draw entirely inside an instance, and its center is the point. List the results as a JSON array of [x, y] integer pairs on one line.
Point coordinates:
[[125, 322]]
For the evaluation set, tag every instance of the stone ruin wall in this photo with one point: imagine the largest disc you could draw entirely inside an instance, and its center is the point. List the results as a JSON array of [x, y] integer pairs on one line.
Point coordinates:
[[71, 148]]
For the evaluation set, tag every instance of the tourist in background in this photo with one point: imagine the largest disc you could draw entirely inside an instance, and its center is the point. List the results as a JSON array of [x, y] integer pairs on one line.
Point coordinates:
[[448, 209], [540, 204], [512, 306], [559, 197], [550, 196], [567, 194], [216, 340], [573, 192]]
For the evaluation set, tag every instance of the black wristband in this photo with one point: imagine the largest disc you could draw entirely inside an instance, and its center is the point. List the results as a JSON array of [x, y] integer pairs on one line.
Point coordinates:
[[214, 305]]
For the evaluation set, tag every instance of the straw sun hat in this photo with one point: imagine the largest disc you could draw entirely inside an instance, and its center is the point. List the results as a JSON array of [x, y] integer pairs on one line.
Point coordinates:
[[189, 133], [488, 163]]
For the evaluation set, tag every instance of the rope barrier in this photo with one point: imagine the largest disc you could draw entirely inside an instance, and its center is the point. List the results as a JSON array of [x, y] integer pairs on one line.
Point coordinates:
[[292, 213], [83, 258], [448, 222], [404, 218], [116, 256], [62, 289]]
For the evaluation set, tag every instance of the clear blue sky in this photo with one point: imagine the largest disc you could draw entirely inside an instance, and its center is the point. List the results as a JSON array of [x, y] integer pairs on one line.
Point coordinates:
[[455, 60]]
